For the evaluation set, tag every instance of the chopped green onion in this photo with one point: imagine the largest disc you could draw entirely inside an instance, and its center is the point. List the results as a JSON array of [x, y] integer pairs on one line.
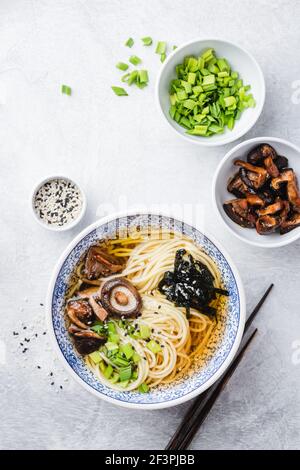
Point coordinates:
[[161, 47], [119, 91], [108, 371], [113, 337], [143, 76], [115, 378], [174, 47], [143, 388], [98, 329], [154, 346], [122, 66], [102, 367], [145, 331], [111, 346], [135, 60], [206, 96], [125, 373], [163, 57], [124, 384], [96, 357], [129, 42], [119, 361], [111, 327], [147, 41], [136, 358], [66, 90], [127, 350]]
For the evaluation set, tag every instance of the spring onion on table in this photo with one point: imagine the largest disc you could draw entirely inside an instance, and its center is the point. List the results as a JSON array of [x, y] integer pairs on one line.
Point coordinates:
[[122, 66], [207, 96], [129, 42], [119, 91], [66, 90], [138, 77], [135, 60], [147, 41]]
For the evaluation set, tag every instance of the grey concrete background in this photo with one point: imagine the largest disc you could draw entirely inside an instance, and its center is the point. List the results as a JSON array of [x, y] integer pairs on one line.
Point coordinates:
[[122, 154]]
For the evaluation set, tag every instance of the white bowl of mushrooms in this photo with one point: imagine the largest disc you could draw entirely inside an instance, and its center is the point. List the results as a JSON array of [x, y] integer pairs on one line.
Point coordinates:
[[256, 194]]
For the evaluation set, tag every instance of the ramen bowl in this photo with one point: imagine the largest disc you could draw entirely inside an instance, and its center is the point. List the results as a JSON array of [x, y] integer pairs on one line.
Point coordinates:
[[219, 354]]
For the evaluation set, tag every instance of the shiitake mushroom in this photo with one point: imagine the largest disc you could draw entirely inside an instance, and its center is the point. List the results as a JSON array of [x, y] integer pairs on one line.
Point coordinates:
[[267, 192]]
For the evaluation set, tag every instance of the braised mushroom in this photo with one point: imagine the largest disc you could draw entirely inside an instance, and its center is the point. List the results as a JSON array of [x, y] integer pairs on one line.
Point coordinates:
[[99, 311], [288, 176], [238, 211], [258, 154], [99, 263], [253, 176], [237, 186], [271, 167], [290, 224], [80, 312], [120, 298], [86, 341], [255, 200], [272, 208], [281, 162], [267, 224]]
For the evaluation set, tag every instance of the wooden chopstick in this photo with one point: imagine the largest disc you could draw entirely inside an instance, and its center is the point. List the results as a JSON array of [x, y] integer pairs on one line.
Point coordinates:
[[207, 405], [189, 417]]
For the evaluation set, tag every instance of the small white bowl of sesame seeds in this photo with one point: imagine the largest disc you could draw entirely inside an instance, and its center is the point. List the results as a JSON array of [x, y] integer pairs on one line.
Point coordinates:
[[58, 203]]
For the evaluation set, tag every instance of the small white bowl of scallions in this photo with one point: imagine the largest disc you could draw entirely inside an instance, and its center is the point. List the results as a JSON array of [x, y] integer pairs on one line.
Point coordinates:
[[210, 91]]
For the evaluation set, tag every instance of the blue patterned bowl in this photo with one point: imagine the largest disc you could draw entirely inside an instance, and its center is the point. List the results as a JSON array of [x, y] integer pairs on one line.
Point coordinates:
[[219, 355]]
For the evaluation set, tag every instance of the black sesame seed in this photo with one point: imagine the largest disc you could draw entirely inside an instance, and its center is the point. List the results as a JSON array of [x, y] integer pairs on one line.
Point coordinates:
[[42, 305]]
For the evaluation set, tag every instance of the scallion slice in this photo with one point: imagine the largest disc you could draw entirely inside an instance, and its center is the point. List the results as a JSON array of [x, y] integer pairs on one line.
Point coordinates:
[[135, 60], [161, 47], [143, 388], [129, 42], [66, 90], [122, 66], [147, 41], [119, 91]]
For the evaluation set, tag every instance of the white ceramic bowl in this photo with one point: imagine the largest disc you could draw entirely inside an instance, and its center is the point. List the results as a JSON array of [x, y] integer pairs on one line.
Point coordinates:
[[240, 61], [220, 353], [56, 228], [220, 194]]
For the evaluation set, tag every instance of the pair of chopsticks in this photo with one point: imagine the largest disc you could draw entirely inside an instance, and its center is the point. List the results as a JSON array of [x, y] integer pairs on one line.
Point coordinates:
[[201, 407]]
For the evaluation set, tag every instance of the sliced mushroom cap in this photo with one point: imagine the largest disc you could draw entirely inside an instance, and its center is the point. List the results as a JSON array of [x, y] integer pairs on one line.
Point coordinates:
[[281, 162], [86, 341], [80, 312], [268, 151], [271, 167], [254, 200], [119, 297], [290, 224], [257, 155], [237, 186], [272, 208], [267, 224], [99, 263], [99, 311], [238, 211], [253, 176], [288, 176]]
